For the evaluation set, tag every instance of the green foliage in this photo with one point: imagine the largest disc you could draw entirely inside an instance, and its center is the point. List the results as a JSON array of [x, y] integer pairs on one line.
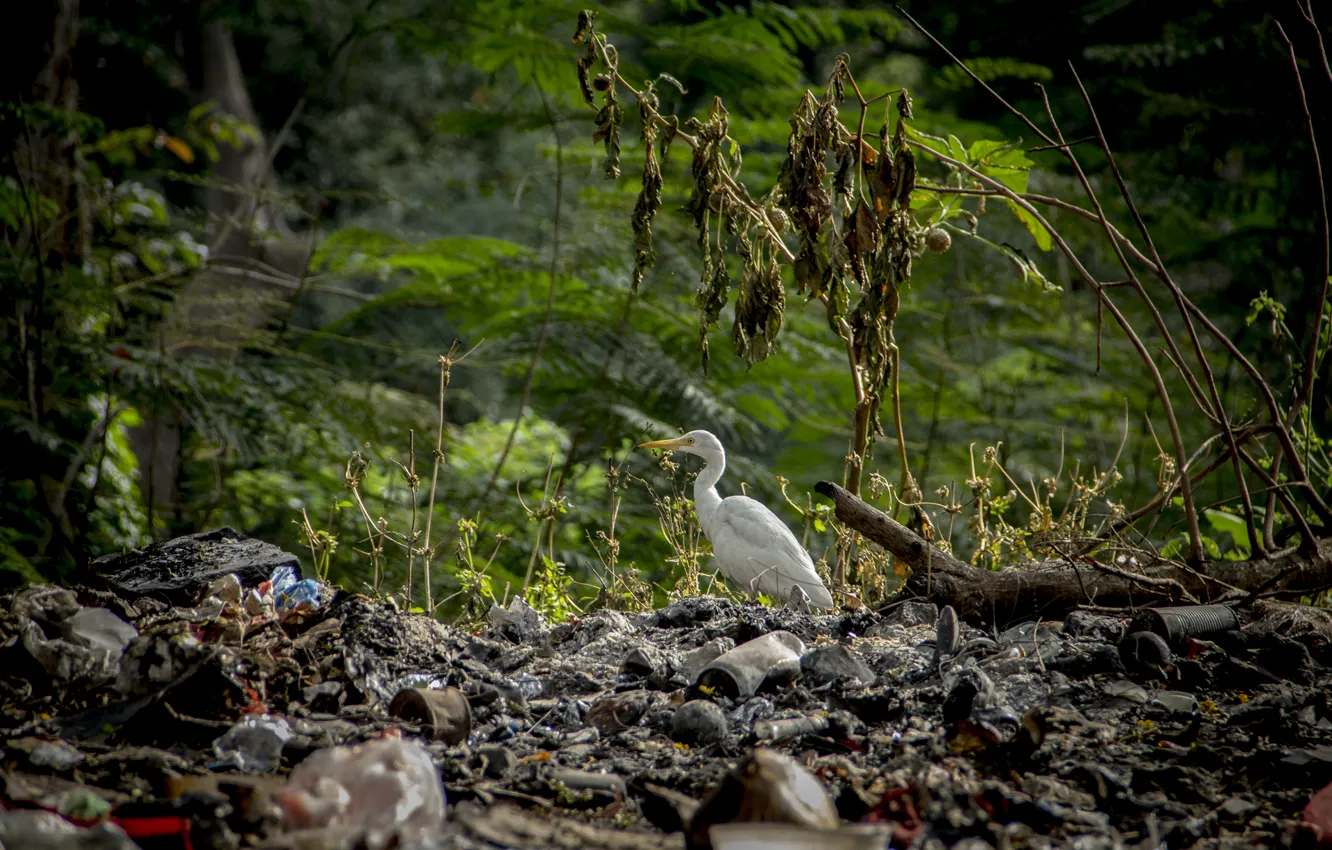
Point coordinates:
[[420, 169]]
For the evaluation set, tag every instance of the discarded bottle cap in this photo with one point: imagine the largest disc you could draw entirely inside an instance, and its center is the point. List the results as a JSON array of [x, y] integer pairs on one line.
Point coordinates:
[[443, 714]]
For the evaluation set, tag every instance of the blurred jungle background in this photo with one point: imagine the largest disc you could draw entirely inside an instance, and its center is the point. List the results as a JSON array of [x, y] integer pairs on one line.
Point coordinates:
[[266, 262]]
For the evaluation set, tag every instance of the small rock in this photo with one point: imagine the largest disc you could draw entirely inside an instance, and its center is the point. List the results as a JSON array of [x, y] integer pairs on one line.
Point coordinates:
[[618, 712], [520, 623], [968, 688], [1144, 652], [691, 611], [1084, 624], [498, 762], [913, 614], [946, 634], [835, 663], [698, 723], [644, 661], [1032, 639], [1088, 661], [325, 696], [877, 705]]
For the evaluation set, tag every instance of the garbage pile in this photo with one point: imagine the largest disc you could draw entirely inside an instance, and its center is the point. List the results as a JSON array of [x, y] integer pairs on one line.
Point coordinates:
[[209, 697]]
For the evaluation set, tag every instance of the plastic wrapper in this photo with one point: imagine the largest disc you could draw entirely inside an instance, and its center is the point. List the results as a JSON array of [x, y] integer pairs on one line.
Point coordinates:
[[290, 594], [253, 745], [380, 792], [38, 830], [91, 641]]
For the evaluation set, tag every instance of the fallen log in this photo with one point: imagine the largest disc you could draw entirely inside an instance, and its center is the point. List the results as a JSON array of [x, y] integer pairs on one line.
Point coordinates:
[[1050, 589]]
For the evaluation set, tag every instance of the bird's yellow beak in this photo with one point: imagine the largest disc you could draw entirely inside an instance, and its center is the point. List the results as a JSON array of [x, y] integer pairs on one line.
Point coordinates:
[[663, 444]]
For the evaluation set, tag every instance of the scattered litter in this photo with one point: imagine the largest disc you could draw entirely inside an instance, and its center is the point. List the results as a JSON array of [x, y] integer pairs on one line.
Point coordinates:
[[239, 705], [254, 745], [381, 791]]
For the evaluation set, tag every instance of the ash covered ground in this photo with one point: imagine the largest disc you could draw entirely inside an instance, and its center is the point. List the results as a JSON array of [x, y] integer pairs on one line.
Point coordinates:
[[206, 698]]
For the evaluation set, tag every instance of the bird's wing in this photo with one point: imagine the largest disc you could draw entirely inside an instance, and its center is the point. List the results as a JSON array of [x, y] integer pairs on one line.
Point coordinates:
[[751, 544]]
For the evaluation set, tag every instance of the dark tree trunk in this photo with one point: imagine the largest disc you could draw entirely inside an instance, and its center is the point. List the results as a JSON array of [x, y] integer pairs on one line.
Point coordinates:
[[233, 303], [44, 161], [1053, 588]]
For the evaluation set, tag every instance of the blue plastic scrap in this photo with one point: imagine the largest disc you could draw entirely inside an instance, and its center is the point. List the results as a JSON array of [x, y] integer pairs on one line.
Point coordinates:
[[290, 594]]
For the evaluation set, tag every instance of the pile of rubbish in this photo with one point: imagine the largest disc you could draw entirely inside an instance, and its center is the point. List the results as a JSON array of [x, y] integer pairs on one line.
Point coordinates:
[[209, 697]]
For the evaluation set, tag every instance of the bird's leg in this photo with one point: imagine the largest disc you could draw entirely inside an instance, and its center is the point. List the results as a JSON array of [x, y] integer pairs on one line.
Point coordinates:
[[753, 591]]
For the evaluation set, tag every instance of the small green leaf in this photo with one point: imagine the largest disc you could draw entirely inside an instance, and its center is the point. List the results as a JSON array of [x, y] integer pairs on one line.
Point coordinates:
[[1228, 523], [819, 526], [1044, 240]]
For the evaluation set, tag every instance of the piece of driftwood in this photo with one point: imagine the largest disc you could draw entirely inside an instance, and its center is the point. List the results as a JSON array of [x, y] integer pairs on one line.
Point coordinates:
[[1051, 589]]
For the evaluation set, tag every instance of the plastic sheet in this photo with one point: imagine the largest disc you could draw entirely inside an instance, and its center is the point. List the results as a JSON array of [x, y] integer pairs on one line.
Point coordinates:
[[253, 745], [381, 791]]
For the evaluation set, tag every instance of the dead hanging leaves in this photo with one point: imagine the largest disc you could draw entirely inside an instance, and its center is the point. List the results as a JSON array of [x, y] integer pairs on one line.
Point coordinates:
[[712, 195], [649, 197], [586, 33], [760, 308], [611, 115], [853, 227]]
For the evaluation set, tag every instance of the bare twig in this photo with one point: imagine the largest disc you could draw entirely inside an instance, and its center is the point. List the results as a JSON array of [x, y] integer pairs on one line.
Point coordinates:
[[1120, 319], [1315, 329], [1219, 413], [446, 364]]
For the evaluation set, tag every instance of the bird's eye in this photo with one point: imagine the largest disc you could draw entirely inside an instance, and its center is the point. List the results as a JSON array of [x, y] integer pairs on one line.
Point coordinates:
[[691, 441]]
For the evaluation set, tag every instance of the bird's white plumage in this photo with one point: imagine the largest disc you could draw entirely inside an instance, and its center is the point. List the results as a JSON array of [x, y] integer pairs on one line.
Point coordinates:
[[750, 544]]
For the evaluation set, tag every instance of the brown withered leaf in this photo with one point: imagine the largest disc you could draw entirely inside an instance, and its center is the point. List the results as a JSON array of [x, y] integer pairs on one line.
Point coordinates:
[[861, 241], [707, 164], [586, 18], [649, 197], [904, 176], [711, 298], [846, 159], [584, 84], [882, 183], [804, 197], [759, 311], [609, 119], [808, 271]]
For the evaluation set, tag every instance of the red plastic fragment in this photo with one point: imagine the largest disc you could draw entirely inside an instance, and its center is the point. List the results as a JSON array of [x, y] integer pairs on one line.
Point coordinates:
[[1318, 814], [164, 826]]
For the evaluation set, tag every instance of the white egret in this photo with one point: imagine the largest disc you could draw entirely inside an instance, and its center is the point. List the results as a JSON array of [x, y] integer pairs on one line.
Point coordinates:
[[751, 546]]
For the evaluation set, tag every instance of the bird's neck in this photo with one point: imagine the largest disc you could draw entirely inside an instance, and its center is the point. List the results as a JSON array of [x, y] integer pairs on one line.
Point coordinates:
[[706, 499]]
